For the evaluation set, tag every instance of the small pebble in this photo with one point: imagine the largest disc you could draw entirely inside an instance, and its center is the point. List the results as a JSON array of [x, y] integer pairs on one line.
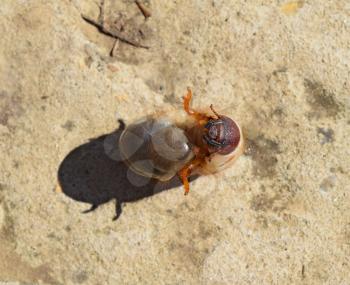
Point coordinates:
[[328, 183]]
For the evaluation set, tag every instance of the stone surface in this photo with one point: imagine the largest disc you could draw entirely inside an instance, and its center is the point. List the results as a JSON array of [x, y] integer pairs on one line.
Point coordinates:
[[280, 215]]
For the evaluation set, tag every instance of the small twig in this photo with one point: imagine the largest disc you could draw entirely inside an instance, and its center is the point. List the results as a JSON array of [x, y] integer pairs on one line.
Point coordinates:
[[303, 271], [146, 13], [216, 114], [101, 18], [112, 34], [115, 47]]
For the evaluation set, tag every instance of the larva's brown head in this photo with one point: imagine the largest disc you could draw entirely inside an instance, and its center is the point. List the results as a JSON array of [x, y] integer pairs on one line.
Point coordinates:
[[222, 134]]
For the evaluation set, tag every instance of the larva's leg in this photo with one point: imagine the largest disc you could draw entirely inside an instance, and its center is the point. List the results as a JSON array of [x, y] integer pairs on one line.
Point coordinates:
[[186, 171], [187, 100], [186, 105]]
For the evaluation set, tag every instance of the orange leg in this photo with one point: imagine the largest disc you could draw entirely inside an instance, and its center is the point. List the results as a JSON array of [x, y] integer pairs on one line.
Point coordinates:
[[187, 100], [186, 104], [185, 172]]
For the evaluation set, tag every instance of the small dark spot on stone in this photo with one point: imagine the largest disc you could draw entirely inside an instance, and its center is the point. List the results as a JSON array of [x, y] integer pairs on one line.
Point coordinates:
[[280, 70], [171, 246], [179, 234], [333, 170], [51, 235], [12, 205], [327, 135], [80, 277], [160, 83], [338, 169], [263, 152], [204, 232], [100, 67], [44, 97], [230, 219], [88, 61], [141, 33], [262, 202], [68, 228], [187, 33], [69, 126], [170, 98], [10, 106], [273, 202], [16, 164], [262, 220], [328, 183], [278, 112], [8, 230], [322, 101]]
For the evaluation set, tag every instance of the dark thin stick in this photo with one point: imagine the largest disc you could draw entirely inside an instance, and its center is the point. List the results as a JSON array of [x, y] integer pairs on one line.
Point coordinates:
[[112, 34], [303, 271], [212, 108], [146, 13], [101, 18], [115, 47]]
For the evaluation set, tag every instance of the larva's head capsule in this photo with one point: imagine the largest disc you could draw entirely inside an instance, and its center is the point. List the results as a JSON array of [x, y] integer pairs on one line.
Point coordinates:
[[222, 135]]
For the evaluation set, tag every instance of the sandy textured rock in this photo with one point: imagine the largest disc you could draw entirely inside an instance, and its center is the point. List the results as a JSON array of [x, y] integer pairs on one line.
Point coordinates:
[[2, 217], [281, 215]]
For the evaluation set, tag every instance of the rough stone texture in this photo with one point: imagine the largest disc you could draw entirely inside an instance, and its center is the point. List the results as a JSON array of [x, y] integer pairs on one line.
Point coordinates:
[[281, 215]]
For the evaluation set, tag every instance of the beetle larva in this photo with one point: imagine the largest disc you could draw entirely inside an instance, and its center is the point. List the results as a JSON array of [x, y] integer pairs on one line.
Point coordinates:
[[160, 147]]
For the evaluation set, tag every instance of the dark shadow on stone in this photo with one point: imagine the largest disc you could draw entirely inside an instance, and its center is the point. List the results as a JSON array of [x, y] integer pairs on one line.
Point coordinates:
[[90, 174]]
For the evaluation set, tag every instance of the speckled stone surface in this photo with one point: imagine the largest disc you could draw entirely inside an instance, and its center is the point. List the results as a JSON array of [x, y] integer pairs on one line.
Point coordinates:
[[280, 215]]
